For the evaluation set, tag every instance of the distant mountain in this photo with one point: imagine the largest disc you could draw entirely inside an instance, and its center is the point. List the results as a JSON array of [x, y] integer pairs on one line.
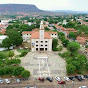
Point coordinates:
[[28, 8], [69, 11], [18, 8]]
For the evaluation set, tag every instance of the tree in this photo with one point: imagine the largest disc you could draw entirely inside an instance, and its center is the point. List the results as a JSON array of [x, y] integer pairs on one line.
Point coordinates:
[[1, 72], [6, 43], [17, 71], [54, 44], [25, 74], [11, 54], [14, 37], [72, 35], [46, 29], [65, 42], [2, 55], [70, 69], [15, 61], [73, 46]]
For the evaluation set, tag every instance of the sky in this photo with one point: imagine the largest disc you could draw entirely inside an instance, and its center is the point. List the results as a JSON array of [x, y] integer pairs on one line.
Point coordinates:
[[77, 5]]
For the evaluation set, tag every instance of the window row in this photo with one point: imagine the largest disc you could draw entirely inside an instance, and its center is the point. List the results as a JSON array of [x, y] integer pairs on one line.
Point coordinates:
[[41, 45], [42, 41]]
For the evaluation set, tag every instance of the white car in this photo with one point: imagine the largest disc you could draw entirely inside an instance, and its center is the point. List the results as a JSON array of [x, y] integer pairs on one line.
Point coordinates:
[[57, 78], [83, 87], [1, 81], [18, 80], [7, 81], [66, 78], [82, 77]]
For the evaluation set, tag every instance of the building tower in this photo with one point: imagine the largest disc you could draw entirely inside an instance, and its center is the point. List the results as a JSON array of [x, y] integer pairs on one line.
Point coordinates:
[[41, 31]]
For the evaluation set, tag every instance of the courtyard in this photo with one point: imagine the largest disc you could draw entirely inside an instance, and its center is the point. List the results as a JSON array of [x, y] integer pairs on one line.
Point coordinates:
[[44, 64]]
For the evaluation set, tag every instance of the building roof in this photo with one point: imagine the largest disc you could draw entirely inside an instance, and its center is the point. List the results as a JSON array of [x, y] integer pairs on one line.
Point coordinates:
[[35, 35], [80, 39], [26, 32]]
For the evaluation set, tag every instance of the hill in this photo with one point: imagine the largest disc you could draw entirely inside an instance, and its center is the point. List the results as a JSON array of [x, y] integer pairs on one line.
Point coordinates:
[[18, 8]]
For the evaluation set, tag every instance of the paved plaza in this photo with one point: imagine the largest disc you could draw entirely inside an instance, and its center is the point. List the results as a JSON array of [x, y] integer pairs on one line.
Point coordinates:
[[44, 64]]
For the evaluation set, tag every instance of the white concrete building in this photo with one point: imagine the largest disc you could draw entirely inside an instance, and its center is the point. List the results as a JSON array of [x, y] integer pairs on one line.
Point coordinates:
[[2, 37], [40, 39]]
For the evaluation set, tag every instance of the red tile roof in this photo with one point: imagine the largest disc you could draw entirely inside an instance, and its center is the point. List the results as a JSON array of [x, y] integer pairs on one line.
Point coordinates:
[[80, 39], [35, 34], [26, 32]]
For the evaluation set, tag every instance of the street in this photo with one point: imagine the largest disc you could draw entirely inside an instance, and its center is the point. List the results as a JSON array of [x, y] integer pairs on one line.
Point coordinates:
[[46, 84]]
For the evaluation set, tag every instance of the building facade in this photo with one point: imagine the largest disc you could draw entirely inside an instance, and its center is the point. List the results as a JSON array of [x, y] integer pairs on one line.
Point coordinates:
[[39, 38]]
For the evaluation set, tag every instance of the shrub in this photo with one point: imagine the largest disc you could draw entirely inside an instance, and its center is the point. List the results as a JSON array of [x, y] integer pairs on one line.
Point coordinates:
[[70, 69], [23, 53], [25, 74], [60, 48]]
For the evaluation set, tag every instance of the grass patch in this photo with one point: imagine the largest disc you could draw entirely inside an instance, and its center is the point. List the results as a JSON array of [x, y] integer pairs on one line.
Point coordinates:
[[22, 50], [5, 52]]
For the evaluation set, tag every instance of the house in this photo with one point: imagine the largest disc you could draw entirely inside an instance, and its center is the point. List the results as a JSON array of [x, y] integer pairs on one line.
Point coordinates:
[[81, 40], [2, 31], [64, 22], [40, 39]]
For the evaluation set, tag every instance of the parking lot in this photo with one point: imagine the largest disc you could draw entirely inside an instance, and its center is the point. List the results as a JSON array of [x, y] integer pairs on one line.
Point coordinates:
[[51, 66]]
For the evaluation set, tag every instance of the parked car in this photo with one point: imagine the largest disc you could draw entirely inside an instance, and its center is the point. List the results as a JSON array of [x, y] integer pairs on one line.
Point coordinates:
[[49, 79], [1, 81], [85, 76], [61, 82], [83, 87], [18, 80], [57, 78], [79, 78], [7, 81], [72, 78], [41, 79], [66, 78]]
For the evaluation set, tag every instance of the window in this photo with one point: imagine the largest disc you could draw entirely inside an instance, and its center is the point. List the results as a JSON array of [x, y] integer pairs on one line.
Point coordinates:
[[45, 49], [36, 41], [36, 49], [41, 41], [41, 45], [36, 45], [46, 41], [45, 45]]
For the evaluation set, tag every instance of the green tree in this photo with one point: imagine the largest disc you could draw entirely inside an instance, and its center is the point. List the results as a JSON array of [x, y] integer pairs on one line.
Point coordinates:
[[54, 44], [46, 29], [70, 69], [14, 37], [65, 42], [25, 74], [15, 61], [73, 46], [1, 72], [17, 71], [6, 43], [11, 54], [72, 35]]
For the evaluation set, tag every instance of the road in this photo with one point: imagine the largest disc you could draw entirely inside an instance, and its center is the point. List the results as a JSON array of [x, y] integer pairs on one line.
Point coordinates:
[[45, 84]]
